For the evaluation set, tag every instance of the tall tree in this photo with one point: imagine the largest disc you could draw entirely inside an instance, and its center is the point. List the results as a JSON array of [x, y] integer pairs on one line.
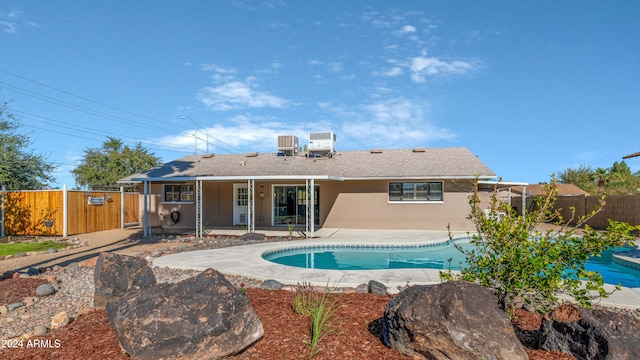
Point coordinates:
[[20, 167], [112, 162], [582, 177], [620, 180], [617, 179]]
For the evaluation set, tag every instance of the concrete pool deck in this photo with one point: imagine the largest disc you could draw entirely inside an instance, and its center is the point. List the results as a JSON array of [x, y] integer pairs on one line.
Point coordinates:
[[247, 261]]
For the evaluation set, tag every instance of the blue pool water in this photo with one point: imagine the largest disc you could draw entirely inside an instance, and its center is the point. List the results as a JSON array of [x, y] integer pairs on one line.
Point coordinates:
[[366, 257]]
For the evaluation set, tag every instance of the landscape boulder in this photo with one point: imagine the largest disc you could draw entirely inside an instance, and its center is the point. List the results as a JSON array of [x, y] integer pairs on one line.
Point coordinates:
[[591, 333], [115, 275], [252, 236], [377, 288], [45, 290], [272, 285], [453, 320], [201, 317]]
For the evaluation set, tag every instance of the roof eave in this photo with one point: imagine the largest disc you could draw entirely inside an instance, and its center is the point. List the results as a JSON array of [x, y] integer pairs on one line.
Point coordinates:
[[238, 178]]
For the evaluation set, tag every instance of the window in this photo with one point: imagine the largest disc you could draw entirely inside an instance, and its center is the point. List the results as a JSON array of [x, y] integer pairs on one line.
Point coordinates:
[[178, 193], [415, 191], [243, 196]]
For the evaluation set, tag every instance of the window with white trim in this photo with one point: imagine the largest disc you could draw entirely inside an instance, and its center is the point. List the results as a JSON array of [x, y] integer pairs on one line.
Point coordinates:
[[415, 191], [178, 193]]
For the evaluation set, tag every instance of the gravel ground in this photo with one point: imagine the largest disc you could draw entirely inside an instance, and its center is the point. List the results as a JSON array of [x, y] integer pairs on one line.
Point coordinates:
[[71, 273]]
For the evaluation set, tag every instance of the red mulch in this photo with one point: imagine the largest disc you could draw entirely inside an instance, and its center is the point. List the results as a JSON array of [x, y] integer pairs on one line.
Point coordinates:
[[286, 334], [14, 290]]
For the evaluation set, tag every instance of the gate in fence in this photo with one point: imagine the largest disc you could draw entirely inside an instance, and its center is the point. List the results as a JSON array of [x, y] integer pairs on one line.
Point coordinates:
[[66, 212]]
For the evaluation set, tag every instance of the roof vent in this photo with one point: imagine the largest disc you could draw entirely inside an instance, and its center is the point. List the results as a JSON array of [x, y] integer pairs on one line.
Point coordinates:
[[206, 156], [419, 149], [251, 154], [376, 151]]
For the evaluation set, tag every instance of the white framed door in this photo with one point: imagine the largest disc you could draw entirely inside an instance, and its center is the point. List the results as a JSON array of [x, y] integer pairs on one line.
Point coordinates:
[[240, 204]]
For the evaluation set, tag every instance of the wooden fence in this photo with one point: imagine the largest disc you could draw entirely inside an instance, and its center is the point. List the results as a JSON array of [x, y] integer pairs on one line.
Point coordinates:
[[66, 212]]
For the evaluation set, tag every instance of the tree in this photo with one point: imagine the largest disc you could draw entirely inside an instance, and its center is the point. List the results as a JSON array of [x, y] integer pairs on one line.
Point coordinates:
[[617, 179], [582, 177], [112, 162], [620, 180], [522, 264], [20, 168]]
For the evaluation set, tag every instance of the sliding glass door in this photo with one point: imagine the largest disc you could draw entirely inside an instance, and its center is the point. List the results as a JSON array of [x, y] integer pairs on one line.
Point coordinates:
[[289, 205]]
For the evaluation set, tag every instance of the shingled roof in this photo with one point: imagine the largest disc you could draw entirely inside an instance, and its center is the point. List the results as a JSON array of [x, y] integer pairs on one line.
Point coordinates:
[[539, 190], [407, 163]]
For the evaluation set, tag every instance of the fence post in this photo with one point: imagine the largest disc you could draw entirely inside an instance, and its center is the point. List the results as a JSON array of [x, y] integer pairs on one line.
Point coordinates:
[[4, 189], [65, 211]]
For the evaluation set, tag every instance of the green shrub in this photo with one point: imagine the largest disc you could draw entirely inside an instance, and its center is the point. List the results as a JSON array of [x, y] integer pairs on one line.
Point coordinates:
[[523, 264]]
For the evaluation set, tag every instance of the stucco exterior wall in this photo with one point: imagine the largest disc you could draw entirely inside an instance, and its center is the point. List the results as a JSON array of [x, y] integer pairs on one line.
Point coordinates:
[[365, 205]]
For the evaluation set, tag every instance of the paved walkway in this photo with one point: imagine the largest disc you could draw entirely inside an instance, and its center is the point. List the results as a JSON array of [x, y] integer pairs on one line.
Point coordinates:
[[247, 261]]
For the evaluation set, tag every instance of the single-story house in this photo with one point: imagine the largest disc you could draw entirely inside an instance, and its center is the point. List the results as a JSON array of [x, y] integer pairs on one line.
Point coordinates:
[[420, 188]]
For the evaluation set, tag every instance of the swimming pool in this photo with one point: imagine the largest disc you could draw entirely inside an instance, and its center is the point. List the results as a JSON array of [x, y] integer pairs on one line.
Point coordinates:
[[431, 256]]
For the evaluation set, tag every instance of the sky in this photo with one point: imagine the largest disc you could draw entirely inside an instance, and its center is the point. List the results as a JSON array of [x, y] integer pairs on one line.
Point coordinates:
[[530, 87]]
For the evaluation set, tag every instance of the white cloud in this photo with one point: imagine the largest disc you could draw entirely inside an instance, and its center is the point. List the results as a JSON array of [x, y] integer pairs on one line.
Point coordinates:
[[423, 66], [393, 72], [277, 24], [241, 133], [237, 95], [218, 69], [389, 123], [408, 29], [335, 67], [276, 65], [9, 27], [14, 13], [220, 74], [13, 20]]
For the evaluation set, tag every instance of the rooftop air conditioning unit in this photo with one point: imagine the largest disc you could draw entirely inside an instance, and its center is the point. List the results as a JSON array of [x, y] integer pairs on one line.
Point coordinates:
[[288, 144], [324, 142]]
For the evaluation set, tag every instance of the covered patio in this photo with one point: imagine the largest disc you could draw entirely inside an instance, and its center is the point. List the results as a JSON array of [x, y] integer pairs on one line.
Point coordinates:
[[249, 197]]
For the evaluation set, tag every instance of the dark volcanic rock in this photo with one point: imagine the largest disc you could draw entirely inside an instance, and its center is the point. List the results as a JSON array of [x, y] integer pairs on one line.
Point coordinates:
[[453, 320], [591, 333], [377, 288], [252, 236], [201, 317], [115, 275]]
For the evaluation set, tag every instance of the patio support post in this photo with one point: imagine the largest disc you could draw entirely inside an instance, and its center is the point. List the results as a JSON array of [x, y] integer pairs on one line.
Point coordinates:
[[251, 216], [198, 209], [145, 217], [310, 208]]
